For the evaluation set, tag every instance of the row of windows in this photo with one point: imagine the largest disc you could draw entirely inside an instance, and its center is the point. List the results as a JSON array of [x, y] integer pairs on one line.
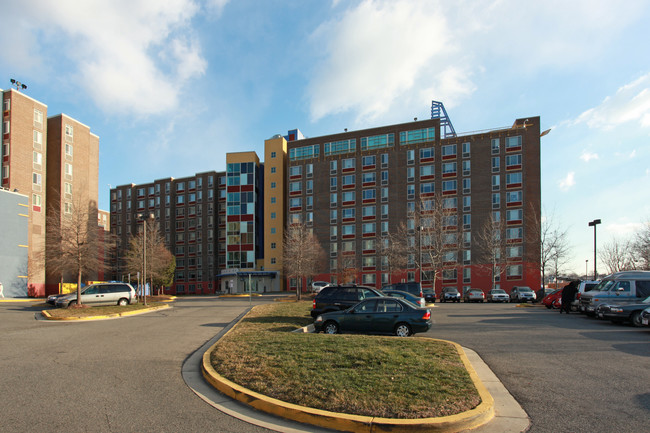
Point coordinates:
[[156, 189]]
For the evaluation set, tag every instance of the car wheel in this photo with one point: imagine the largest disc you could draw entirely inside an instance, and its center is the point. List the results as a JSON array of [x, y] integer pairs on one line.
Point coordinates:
[[331, 328], [122, 302], [402, 330], [635, 319]]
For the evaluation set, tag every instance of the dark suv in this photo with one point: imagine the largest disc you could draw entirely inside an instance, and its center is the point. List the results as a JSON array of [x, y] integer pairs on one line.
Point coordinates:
[[341, 297]]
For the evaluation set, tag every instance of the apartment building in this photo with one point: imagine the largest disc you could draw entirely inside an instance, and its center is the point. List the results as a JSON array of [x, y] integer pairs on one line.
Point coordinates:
[[54, 162], [24, 170], [354, 188]]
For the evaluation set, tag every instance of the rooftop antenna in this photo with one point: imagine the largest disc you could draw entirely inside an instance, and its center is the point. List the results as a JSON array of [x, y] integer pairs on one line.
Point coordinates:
[[438, 112], [18, 84]]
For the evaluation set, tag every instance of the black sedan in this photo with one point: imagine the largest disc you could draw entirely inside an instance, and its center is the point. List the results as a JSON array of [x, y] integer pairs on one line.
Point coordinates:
[[624, 312], [377, 316]]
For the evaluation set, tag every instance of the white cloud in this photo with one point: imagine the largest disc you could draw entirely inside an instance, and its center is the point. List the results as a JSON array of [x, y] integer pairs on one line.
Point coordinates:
[[568, 181], [630, 103], [377, 54], [588, 156], [131, 56]]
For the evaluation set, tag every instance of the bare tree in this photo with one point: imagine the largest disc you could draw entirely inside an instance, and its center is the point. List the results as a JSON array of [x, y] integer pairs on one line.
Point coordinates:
[[617, 255], [552, 238], [72, 241], [346, 268], [303, 254], [160, 262], [430, 239], [392, 252], [491, 239], [641, 247]]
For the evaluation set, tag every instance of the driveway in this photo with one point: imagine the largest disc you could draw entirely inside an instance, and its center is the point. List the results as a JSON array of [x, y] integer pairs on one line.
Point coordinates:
[[119, 375], [570, 373]]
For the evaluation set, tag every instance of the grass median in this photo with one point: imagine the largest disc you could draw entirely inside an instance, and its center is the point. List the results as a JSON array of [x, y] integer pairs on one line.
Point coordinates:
[[355, 374]]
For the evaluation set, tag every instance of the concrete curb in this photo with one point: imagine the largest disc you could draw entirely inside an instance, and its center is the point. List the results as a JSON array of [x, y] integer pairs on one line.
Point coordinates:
[[48, 316], [473, 418]]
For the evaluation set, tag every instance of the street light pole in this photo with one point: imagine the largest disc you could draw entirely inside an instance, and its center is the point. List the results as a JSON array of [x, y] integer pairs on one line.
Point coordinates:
[[144, 220], [593, 224], [586, 264]]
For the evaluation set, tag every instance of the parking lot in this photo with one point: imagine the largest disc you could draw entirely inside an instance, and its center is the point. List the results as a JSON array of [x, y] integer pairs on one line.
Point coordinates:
[[570, 373]]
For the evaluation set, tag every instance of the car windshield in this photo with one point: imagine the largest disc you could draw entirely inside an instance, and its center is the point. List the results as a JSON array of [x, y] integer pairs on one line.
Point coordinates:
[[604, 286], [498, 291], [525, 289], [476, 292]]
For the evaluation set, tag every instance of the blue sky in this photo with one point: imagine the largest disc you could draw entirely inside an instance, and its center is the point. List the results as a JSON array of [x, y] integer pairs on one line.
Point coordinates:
[[171, 86]]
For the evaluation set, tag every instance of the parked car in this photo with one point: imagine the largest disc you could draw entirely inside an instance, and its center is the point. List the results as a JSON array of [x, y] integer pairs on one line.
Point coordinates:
[[379, 315], [429, 295], [628, 312], [615, 288], [584, 286], [497, 295], [645, 317], [542, 293], [418, 301], [52, 298], [450, 294], [549, 299], [411, 287], [474, 295], [316, 286], [101, 294], [341, 297], [522, 294]]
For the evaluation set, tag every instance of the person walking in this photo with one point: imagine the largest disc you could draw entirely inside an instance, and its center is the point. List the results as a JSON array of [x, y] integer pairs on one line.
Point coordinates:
[[2, 290], [568, 296]]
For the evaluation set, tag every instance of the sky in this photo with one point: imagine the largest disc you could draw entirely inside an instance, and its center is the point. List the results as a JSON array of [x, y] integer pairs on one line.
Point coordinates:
[[171, 86]]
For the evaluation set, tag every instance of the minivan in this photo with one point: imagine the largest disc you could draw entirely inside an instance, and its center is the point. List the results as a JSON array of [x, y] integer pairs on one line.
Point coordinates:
[[101, 294], [625, 286]]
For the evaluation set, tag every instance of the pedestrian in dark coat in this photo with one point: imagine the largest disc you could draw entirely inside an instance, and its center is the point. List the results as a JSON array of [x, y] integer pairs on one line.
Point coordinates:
[[568, 296]]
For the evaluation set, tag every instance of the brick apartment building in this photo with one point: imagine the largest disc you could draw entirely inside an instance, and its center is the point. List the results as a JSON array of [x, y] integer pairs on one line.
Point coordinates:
[[353, 188], [54, 161]]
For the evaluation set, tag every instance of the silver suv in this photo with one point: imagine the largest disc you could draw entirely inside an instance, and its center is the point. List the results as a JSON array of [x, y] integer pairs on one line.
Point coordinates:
[[101, 294], [522, 294]]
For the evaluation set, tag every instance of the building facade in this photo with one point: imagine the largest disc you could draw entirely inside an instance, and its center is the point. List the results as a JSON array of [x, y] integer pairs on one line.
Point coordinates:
[[353, 190], [14, 233], [54, 162]]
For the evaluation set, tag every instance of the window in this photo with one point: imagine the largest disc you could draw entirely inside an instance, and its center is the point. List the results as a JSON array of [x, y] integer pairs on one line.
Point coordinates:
[[496, 182], [515, 251], [384, 177], [370, 177], [38, 160], [449, 186], [5, 149], [348, 163], [496, 200], [384, 160], [369, 194], [427, 153], [467, 203], [513, 142], [273, 184], [296, 170], [514, 233], [348, 196], [348, 230], [427, 170], [273, 245], [496, 164], [369, 228], [333, 216], [467, 185], [495, 145], [448, 151], [68, 189], [514, 271], [369, 160], [273, 154], [309, 170], [410, 191], [466, 147], [67, 207], [513, 161], [369, 211], [513, 179], [333, 199], [467, 221], [448, 168], [69, 132], [466, 167], [410, 157], [333, 167], [427, 188], [347, 181], [514, 197], [38, 138], [36, 200], [36, 179], [410, 174]]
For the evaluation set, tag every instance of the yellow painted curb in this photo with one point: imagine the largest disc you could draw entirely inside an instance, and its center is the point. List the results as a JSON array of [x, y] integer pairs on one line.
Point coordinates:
[[48, 316], [473, 418]]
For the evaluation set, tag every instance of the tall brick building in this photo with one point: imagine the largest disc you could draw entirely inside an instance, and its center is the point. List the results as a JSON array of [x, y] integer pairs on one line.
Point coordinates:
[[54, 161], [352, 189]]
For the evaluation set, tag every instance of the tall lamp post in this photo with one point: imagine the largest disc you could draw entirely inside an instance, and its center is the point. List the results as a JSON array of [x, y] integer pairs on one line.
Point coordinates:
[[586, 264], [420, 230], [593, 224], [144, 219]]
